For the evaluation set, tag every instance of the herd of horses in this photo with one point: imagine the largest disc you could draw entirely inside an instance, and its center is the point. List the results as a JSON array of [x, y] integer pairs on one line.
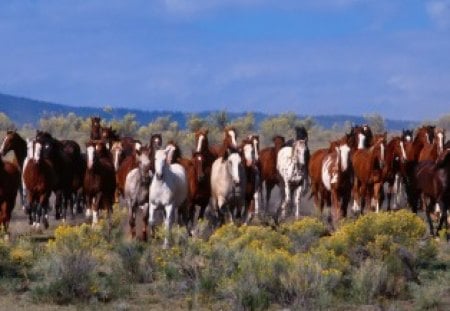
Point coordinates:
[[226, 180]]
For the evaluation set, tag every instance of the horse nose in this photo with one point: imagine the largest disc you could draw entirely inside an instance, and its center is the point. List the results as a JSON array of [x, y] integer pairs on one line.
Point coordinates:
[[236, 182], [158, 176]]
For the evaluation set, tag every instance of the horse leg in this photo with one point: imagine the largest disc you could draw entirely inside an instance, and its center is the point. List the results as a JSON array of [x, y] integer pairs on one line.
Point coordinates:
[[132, 218], [168, 225], [298, 194], [429, 220], [335, 213], [286, 200], [376, 195], [58, 204], [269, 187], [151, 217], [145, 222], [3, 217], [95, 208]]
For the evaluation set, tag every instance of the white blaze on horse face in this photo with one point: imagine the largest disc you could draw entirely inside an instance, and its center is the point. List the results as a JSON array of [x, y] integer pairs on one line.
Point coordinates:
[[144, 161], [160, 160], [255, 146], [427, 137], [440, 137], [137, 146], [170, 149], [248, 154], [90, 156], [234, 160], [408, 138], [233, 137], [300, 148], [3, 144], [200, 142], [37, 151], [344, 151], [382, 152], [116, 158], [402, 148], [361, 140]]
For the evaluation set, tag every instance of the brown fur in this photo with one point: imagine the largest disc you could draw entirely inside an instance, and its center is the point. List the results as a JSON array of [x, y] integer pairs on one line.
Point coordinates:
[[268, 165]]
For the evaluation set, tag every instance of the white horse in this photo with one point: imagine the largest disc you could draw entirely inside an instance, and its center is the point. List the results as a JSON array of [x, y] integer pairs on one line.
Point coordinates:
[[136, 189], [250, 152], [292, 166], [168, 190], [228, 183]]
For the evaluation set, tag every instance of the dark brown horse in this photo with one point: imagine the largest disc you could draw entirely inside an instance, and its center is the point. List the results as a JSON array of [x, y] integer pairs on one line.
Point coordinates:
[[268, 166], [9, 184], [367, 166], [109, 135], [39, 180], [432, 180], [95, 128], [250, 155], [337, 179], [99, 180], [15, 143]]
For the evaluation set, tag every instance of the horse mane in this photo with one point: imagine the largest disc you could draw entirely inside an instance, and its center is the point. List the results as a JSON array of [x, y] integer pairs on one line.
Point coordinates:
[[301, 133]]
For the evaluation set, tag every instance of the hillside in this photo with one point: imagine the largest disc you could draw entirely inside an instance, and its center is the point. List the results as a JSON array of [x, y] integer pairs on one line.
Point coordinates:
[[28, 111]]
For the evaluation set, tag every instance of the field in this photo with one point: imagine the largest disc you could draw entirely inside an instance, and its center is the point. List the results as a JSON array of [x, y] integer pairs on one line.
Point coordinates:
[[379, 262]]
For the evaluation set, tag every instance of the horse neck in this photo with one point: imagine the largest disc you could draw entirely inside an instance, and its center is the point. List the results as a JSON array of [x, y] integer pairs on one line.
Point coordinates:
[[20, 151]]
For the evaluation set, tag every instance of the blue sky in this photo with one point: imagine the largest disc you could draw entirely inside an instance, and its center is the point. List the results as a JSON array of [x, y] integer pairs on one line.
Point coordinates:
[[311, 57]]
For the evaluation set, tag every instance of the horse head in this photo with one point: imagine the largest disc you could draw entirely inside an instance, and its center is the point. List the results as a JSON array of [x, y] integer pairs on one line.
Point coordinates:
[[440, 136], [301, 133], [255, 141], [156, 141], [407, 135], [233, 163], [278, 141], [249, 152], [116, 150], [230, 137], [299, 151], [160, 162], [173, 152], [198, 161], [6, 144], [201, 139], [342, 148], [379, 148], [144, 163]]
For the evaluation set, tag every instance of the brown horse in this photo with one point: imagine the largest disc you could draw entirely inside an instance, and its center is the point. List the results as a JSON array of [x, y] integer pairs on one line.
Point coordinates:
[[394, 169], [95, 128], [368, 165], [250, 155], [108, 135], [99, 181], [15, 143], [39, 180], [360, 137], [431, 151], [9, 184], [229, 142], [315, 173], [336, 179], [268, 166], [432, 180]]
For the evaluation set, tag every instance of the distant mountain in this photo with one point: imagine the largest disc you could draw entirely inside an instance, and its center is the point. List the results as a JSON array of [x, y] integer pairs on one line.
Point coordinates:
[[28, 111]]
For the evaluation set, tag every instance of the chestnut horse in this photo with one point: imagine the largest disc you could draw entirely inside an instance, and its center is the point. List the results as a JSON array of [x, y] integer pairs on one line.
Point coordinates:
[[431, 151], [39, 180], [268, 166], [99, 180], [15, 143], [432, 180], [394, 169], [9, 184], [367, 166], [337, 179], [229, 142]]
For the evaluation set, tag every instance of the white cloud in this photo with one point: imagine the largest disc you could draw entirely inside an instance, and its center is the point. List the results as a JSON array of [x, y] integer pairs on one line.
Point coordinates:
[[439, 12]]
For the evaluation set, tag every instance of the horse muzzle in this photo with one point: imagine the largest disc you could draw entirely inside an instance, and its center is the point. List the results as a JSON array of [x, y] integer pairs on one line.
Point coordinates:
[[159, 176]]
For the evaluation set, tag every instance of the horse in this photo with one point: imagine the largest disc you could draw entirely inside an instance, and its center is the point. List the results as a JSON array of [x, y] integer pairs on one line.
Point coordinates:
[[368, 181], [432, 180], [394, 168], [268, 163], [292, 167], [249, 152], [95, 128], [136, 189], [108, 135], [336, 173], [99, 180], [168, 190], [39, 180], [228, 183], [15, 143], [202, 161], [9, 184], [66, 162], [315, 173], [431, 151], [229, 141], [361, 137]]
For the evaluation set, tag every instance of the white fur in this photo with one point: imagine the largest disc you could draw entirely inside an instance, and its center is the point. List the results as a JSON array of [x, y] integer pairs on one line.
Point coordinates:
[[3, 144], [233, 137], [344, 151], [326, 178], [255, 146], [37, 151], [440, 137], [361, 140], [200, 142], [90, 156], [402, 147], [168, 190]]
